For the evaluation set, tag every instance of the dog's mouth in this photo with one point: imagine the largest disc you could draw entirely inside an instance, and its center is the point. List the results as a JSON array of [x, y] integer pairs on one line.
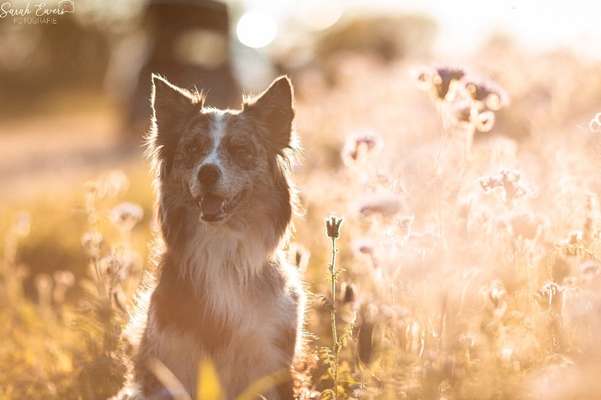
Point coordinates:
[[214, 208]]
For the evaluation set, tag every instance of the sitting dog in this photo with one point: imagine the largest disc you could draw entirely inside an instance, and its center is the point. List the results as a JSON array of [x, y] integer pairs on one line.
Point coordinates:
[[223, 291]]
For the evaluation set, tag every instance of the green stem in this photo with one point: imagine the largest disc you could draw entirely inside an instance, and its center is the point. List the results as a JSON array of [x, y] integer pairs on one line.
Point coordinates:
[[333, 316]]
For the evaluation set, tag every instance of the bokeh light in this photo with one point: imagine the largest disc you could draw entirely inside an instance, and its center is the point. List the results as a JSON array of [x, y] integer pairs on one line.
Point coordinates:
[[319, 15], [256, 29]]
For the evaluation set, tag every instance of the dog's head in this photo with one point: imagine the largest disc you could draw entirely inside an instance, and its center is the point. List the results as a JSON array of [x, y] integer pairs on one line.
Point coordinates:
[[223, 166]]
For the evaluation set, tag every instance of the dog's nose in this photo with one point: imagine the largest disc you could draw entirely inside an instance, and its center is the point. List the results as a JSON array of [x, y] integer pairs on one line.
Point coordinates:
[[208, 175]]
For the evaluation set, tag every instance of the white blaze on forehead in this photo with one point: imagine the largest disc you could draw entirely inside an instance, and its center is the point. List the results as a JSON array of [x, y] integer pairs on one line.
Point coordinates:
[[217, 131]]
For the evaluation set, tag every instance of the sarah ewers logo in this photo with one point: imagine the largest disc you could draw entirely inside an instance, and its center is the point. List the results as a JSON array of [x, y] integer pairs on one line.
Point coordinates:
[[40, 12]]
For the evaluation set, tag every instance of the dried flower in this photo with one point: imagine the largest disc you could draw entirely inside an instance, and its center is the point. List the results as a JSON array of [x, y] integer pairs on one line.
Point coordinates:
[[358, 146], [126, 215], [462, 111], [488, 93], [440, 81], [383, 204], [364, 246], [92, 242], [348, 293], [333, 227], [299, 256], [112, 184], [509, 181], [484, 121], [117, 266]]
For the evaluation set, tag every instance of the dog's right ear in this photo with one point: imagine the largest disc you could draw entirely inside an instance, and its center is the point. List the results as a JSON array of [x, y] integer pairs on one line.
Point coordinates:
[[171, 108], [170, 103]]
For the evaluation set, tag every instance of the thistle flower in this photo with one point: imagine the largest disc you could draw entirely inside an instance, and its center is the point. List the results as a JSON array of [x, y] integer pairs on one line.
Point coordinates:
[[440, 81], [462, 112], [483, 121], [112, 184], [116, 266], [487, 93], [333, 227], [92, 242], [386, 205], [358, 146], [126, 215]]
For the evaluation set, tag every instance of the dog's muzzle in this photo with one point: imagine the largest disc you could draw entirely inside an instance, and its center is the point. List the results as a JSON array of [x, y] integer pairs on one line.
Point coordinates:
[[214, 208]]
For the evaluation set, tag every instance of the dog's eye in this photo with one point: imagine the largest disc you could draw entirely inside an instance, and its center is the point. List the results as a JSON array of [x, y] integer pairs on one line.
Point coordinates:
[[241, 152], [192, 153]]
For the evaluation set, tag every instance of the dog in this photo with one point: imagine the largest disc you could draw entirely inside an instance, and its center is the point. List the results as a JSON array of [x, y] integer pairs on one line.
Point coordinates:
[[223, 291]]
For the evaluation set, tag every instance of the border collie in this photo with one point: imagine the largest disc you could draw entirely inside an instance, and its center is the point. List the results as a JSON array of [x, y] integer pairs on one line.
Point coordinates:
[[223, 291]]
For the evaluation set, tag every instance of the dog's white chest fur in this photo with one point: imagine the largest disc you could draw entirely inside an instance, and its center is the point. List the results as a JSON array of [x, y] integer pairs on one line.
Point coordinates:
[[220, 264], [224, 268]]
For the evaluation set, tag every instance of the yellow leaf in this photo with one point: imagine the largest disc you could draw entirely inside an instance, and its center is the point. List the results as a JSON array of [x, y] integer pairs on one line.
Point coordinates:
[[208, 387]]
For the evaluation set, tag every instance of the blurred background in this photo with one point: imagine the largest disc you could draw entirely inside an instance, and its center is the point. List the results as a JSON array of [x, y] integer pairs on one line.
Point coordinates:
[[82, 77], [74, 107]]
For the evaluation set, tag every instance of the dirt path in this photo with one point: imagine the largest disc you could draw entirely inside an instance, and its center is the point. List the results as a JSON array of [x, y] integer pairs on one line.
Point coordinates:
[[48, 153]]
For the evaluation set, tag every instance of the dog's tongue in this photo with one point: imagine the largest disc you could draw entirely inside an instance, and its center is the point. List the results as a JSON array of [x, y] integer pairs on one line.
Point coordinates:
[[211, 204]]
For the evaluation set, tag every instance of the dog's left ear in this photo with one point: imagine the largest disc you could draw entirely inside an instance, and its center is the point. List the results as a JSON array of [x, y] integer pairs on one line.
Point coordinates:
[[274, 110]]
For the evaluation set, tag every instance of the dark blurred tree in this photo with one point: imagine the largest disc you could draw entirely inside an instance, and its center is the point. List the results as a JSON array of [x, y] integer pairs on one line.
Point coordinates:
[[189, 43]]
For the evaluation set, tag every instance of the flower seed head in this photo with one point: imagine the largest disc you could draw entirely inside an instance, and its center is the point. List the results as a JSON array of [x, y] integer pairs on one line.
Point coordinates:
[[126, 215], [348, 293], [333, 227], [358, 146]]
